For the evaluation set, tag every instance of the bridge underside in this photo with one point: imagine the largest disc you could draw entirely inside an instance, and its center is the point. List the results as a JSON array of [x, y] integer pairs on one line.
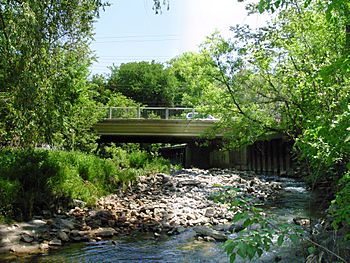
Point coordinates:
[[152, 131], [268, 156]]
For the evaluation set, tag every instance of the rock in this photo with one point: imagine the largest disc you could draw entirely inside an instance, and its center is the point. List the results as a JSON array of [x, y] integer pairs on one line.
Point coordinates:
[[209, 212], [79, 203], [301, 221], [37, 222], [46, 214], [209, 239], [209, 232], [27, 238], [165, 178], [180, 229], [55, 242], [104, 232], [191, 217], [63, 236], [66, 223], [111, 222], [188, 182], [44, 246], [25, 249]]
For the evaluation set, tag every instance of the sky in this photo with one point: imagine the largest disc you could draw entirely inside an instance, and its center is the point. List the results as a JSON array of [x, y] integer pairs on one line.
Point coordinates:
[[129, 30]]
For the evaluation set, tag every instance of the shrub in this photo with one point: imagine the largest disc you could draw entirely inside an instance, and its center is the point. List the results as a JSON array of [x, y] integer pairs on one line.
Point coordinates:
[[33, 180], [340, 207]]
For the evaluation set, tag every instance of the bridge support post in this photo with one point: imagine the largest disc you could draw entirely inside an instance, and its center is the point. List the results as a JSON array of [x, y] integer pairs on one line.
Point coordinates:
[[166, 113], [138, 113]]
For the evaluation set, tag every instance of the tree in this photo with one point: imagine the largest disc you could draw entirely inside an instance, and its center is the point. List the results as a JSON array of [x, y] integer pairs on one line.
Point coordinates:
[[292, 77], [144, 82], [275, 76], [44, 68], [194, 72]]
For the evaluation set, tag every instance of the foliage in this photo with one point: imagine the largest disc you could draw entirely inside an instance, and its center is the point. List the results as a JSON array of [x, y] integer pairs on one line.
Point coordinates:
[[43, 70], [41, 179], [340, 206], [194, 72], [325, 146], [289, 78], [259, 233], [103, 95], [157, 5], [131, 155], [145, 83], [33, 180]]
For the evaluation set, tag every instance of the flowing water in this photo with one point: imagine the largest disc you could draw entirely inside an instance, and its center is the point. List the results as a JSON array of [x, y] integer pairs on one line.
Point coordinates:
[[294, 201]]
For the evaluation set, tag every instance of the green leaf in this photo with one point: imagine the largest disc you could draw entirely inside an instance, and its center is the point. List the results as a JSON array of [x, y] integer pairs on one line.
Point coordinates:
[[232, 257], [238, 216], [280, 240], [242, 250], [261, 6], [229, 246], [251, 251], [294, 238], [311, 249], [247, 223]]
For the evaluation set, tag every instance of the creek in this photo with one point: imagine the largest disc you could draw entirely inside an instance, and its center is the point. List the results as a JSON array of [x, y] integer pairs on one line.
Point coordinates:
[[293, 200]]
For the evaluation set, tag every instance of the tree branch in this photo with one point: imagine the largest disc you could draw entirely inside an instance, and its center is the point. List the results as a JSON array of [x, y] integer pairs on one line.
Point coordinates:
[[235, 102]]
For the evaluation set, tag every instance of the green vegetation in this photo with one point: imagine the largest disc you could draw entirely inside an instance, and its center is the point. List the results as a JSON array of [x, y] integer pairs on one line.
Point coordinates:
[[33, 180], [290, 76], [46, 99], [147, 83], [259, 232], [45, 55]]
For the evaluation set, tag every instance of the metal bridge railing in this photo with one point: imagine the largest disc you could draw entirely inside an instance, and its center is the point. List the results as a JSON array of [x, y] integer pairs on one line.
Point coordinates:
[[164, 113]]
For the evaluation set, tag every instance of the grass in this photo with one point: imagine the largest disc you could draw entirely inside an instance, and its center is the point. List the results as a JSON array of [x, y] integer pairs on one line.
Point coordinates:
[[33, 180]]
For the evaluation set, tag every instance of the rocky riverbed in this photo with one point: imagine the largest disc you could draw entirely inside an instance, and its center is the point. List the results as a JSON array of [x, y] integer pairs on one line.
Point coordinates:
[[159, 204]]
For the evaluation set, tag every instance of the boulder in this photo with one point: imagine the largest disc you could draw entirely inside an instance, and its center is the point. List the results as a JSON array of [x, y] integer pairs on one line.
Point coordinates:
[[27, 238], [104, 232], [63, 236], [206, 231], [55, 242]]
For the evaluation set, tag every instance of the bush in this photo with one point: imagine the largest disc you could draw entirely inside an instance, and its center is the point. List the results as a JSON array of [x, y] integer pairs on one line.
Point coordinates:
[[340, 207], [33, 180], [138, 159]]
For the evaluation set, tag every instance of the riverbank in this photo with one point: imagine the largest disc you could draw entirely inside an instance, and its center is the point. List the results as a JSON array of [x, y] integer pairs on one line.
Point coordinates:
[[160, 204]]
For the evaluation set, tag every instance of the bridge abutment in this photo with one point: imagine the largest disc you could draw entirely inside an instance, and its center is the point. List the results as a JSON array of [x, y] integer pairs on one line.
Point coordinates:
[[264, 157]]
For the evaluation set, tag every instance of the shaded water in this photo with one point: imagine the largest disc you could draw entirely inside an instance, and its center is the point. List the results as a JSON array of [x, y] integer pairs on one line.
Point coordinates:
[[294, 201]]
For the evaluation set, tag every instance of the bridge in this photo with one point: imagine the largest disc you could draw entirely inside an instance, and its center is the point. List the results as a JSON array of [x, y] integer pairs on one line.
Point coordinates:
[[174, 125], [154, 124]]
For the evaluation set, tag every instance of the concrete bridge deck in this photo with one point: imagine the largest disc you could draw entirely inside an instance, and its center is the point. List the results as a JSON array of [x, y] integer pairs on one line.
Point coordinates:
[[149, 130], [153, 124]]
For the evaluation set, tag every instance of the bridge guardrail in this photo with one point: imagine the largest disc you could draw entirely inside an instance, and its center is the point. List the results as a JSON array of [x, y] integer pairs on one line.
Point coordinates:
[[165, 113]]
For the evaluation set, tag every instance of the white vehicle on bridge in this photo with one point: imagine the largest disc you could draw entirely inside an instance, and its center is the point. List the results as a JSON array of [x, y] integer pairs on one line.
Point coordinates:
[[199, 116]]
